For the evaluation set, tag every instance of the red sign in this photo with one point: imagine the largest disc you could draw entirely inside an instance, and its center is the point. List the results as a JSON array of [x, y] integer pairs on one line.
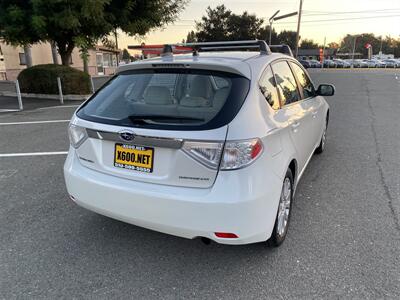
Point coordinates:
[[158, 49]]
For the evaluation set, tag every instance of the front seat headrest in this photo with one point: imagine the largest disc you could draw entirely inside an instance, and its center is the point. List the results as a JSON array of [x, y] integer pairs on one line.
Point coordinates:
[[158, 95], [201, 87]]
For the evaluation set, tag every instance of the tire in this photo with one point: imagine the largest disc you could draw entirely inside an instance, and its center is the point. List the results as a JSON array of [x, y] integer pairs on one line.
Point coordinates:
[[282, 219], [322, 143]]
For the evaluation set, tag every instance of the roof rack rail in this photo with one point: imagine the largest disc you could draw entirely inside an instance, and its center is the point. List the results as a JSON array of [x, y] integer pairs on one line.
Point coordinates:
[[226, 45], [169, 49], [284, 49]]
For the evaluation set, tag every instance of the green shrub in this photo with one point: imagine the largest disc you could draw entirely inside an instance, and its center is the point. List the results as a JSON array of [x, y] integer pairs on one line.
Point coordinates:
[[42, 79]]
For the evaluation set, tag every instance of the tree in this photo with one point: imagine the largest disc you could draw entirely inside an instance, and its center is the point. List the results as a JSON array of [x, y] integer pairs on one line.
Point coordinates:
[[15, 25], [244, 26], [333, 45], [70, 23], [191, 37], [347, 43], [263, 34], [287, 37], [308, 44], [220, 24], [214, 25], [125, 55]]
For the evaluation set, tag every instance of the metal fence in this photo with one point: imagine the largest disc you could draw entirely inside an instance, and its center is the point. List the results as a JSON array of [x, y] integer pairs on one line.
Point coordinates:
[[10, 96]]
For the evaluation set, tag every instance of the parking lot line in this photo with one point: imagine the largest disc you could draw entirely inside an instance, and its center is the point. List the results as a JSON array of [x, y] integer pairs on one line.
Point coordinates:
[[33, 154], [8, 110], [34, 122]]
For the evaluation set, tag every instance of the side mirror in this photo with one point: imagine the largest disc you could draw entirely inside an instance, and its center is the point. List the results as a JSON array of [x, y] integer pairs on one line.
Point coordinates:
[[326, 90]]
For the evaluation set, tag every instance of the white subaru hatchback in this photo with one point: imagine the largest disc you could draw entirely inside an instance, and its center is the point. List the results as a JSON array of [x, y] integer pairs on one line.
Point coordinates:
[[209, 144]]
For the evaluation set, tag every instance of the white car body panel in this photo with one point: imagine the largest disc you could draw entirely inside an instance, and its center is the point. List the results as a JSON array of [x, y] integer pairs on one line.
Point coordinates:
[[173, 167], [242, 201]]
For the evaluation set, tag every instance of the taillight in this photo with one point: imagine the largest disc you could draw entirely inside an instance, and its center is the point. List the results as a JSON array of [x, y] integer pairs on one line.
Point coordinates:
[[239, 154], [235, 154], [77, 135], [207, 153]]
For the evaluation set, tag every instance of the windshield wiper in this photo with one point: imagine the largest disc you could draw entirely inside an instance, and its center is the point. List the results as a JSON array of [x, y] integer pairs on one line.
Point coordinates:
[[160, 118]]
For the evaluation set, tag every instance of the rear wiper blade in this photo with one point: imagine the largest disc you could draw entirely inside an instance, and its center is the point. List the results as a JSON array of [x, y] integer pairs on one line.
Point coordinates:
[[144, 118]]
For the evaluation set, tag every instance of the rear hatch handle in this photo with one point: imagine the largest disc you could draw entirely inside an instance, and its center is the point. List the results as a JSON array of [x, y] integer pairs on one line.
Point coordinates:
[[141, 140]]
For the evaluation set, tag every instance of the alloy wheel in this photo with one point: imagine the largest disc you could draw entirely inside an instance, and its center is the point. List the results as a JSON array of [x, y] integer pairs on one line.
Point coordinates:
[[284, 207]]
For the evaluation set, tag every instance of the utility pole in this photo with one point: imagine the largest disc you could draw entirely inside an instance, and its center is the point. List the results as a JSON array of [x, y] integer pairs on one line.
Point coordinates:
[[298, 29], [323, 54], [354, 50]]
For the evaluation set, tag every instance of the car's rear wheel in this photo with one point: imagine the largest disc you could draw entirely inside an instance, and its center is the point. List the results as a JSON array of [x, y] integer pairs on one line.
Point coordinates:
[[284, 209]]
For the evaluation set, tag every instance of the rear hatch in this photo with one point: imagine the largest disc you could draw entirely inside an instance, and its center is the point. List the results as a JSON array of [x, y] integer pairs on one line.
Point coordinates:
[[164, 126]]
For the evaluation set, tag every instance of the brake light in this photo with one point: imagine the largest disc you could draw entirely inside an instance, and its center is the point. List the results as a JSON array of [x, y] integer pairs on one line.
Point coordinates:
[[239, 154], [235, 155], [226, 235]]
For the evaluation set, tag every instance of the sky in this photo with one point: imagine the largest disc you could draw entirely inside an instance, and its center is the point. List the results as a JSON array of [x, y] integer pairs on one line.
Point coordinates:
[[330, 19]]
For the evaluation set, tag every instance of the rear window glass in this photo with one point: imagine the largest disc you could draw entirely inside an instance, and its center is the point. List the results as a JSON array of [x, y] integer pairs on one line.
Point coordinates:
[[181, 99]]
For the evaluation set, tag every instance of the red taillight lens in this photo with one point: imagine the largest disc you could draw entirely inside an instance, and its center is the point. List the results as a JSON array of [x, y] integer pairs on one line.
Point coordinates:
[[239, 154], [257, 148], [226, 235]]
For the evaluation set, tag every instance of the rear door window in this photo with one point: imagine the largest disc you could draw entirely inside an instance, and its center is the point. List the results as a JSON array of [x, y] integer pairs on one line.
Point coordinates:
[[268, 88], [287, 86], [168, 98], [304, 81]]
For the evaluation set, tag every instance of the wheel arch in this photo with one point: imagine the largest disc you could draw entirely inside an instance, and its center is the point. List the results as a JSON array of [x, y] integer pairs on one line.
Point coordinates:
[[327, 118], [293, 168]]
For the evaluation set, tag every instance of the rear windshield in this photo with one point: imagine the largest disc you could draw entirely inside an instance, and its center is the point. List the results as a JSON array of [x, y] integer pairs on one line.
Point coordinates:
[[178, 99]]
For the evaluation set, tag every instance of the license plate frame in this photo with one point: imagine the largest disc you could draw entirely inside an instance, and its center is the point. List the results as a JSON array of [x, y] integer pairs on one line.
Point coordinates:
[[143, 157]]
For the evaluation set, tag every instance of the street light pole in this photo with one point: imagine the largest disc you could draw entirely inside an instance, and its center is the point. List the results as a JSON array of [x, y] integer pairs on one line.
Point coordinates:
[[270, 30], [271, 20], [298, 29]]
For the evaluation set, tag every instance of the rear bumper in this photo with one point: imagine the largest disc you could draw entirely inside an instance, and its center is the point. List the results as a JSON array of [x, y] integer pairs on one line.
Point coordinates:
[[243, 202]]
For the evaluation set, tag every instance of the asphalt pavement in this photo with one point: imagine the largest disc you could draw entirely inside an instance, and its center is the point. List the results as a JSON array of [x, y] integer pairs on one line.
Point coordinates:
[[344, 239]]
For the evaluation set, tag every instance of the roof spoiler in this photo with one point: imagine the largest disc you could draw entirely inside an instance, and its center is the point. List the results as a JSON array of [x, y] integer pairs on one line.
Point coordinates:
[[284, 49], [169, 49]]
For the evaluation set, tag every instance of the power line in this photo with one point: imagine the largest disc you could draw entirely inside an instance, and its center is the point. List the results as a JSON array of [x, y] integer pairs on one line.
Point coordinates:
[[342, 19], [319, 20], [316, 12]]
